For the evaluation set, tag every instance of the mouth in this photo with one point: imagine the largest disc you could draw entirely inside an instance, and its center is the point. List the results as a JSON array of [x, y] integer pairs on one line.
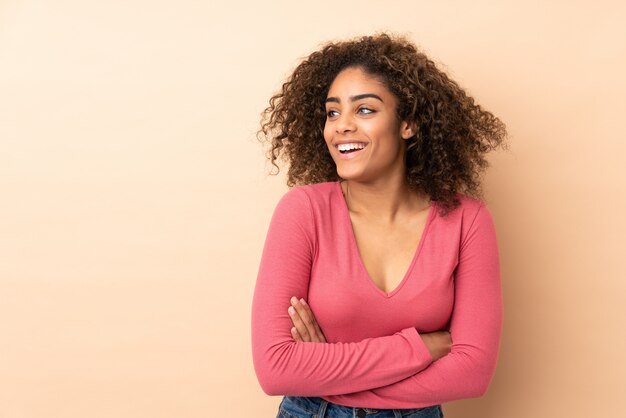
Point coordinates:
[[352, 153]]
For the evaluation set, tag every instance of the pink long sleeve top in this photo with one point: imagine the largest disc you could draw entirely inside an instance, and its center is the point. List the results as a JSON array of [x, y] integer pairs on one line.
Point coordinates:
[[374, 356]]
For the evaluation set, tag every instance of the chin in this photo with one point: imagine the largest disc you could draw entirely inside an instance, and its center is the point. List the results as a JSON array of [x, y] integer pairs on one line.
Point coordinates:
[[348, 176]]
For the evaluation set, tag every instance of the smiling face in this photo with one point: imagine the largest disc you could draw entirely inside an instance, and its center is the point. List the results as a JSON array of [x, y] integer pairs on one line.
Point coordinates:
[[361, 111]]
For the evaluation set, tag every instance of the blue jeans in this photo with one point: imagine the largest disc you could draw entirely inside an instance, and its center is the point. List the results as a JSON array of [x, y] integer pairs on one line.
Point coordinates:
[[314, 407]]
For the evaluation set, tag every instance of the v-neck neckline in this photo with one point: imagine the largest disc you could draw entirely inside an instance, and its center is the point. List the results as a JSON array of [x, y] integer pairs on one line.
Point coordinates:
[[355, 249]]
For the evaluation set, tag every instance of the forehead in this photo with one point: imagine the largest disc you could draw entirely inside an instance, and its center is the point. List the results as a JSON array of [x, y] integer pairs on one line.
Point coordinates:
[[354, 80]]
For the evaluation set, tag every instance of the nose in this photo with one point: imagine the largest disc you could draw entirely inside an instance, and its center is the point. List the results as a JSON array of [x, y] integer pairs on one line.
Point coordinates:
[[344, 124]]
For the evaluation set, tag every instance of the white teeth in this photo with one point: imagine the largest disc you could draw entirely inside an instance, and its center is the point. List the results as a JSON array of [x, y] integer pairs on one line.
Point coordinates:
[[354, 145]]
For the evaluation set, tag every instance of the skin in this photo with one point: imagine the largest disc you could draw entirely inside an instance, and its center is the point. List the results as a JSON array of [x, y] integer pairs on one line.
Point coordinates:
[[360, 107], [376, 179]]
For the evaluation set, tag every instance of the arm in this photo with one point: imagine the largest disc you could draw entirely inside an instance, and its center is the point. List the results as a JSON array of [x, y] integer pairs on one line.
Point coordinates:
[[475, 329], [285, 367], [306, 329]]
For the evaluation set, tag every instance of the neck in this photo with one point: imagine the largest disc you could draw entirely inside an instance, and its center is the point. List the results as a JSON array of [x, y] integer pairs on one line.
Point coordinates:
[[385, 202]]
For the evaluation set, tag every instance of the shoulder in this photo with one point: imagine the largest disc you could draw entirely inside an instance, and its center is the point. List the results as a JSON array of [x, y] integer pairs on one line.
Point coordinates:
[[309, 194], [470, 206], [303, 201], [466, 210], [475, 217], [471, 213]]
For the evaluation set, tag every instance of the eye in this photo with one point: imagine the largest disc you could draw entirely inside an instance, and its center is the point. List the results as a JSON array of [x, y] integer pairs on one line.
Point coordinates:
[[366, 110], [331, 113]]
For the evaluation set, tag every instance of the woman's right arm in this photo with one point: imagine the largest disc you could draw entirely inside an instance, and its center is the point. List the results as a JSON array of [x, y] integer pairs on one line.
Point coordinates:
[[439, 343], [286, 367]]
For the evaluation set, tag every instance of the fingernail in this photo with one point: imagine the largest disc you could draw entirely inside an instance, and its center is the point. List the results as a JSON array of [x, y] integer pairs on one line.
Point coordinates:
[[294, 299], [292, 311], [303, 302]]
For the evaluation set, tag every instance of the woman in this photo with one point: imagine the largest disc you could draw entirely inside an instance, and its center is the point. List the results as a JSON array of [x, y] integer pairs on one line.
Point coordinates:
[[379, 288]]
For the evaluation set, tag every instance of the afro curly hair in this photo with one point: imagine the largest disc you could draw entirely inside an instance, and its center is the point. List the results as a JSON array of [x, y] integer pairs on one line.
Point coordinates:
[[444, 158]]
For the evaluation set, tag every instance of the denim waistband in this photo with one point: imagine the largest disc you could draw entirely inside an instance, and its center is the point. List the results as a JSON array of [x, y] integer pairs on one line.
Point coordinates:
[[309, 407]]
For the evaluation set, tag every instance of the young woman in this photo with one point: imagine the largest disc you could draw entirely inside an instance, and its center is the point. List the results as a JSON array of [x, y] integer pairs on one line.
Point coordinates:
[[379, 289]]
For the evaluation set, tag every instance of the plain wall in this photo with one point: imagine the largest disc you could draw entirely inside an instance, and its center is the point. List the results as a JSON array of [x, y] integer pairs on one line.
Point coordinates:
[[135, 198]]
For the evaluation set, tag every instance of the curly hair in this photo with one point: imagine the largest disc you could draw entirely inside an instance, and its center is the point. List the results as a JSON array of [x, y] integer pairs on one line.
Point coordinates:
[[446, 155]]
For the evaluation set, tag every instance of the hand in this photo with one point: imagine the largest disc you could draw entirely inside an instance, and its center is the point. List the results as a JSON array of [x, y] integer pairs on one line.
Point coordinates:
[[305, 327], [439, 343]]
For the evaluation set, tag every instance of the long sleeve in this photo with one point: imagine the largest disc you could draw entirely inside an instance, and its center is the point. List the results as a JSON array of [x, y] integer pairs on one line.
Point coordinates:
[[286, 367], [475, 328]]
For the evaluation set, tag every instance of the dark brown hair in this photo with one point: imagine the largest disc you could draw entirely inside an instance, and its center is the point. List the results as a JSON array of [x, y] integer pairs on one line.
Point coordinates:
[[444, 158]]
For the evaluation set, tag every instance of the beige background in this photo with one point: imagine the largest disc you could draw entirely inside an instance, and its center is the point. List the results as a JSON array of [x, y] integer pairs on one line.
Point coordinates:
[[135, 199]]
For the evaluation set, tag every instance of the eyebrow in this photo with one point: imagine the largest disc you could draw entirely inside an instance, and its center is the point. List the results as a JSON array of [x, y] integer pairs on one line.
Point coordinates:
[[355, 98]]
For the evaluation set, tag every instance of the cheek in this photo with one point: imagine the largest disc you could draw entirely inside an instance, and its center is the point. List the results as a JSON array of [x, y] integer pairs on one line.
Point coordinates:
[[327, 132], [384, 130]]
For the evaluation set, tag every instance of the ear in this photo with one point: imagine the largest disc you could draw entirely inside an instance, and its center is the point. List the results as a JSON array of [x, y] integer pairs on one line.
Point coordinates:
[[408, 129]]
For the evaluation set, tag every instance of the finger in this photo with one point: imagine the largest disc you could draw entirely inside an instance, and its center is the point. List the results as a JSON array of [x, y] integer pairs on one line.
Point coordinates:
[[304, 326], [316, 326], [318, 330], [296, 335], [307, 325], [299, 324]]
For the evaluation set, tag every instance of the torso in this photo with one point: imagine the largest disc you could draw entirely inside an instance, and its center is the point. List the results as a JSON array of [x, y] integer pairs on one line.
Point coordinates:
[[388, 250]]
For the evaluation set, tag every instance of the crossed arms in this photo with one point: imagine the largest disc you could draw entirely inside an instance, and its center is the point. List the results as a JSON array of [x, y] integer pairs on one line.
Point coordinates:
[[393, 371]]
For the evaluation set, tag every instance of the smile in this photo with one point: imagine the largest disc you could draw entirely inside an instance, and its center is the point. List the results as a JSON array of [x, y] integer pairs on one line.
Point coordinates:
[[351, 153]]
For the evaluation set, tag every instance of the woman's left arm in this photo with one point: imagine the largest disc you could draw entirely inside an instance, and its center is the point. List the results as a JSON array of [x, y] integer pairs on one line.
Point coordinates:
[[475, 328]]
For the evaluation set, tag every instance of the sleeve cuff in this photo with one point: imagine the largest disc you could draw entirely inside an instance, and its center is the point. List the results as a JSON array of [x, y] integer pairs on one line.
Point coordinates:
[[422, 351]]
